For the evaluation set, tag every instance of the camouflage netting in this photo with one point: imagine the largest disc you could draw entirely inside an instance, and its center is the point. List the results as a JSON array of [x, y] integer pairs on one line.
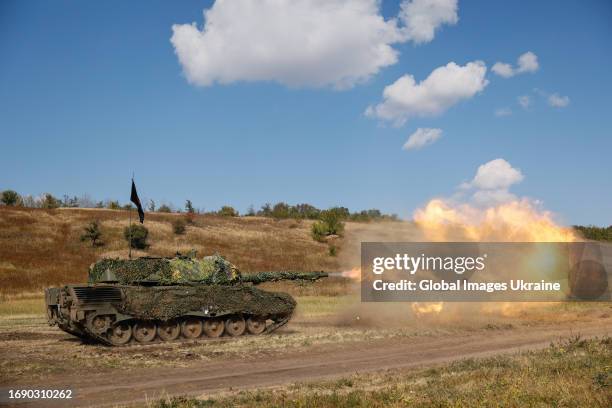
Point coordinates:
[[210, 270], [165, 303], [170, 271], [261, 277]]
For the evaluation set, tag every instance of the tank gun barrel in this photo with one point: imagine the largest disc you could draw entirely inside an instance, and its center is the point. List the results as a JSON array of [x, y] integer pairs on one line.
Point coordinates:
[[261, 277]]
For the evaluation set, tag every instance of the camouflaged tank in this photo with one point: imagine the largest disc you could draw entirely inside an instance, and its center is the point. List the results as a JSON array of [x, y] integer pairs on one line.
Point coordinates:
[[148, 300]]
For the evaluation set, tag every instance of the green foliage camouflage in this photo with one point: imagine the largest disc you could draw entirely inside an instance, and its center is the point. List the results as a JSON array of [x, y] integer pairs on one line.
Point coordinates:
[[169, 302], [169, 271], [210, 270]]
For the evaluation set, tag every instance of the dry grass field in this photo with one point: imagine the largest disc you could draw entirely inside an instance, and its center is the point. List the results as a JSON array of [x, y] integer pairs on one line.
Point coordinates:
[[40, 248], [332, 334], [569, 373]]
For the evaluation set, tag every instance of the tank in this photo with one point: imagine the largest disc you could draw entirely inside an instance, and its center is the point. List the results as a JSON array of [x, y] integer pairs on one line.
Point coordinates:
[[152, 300]]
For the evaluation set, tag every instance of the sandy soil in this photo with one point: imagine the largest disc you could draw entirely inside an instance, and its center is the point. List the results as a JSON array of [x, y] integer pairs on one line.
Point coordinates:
[[35, 356]]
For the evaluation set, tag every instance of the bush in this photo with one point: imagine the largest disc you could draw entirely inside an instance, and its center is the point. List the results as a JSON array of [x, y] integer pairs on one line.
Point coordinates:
[[92, 233], [319, 231], [10, 197], [178, 226], [136, 235], [113, 205], [333, 250], [333, 220], [50, 202], [164, 209], [190, 218], [227, 211]]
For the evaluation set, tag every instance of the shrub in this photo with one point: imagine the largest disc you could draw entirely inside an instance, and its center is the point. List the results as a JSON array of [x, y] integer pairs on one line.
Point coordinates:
[[164, 209], [280, 210], [190, 218], [92, 233], [50, 202], [178, 226], [136, 235], [333, 250], [113, 205], [333, 220], [319, 231], [10, 197], [227, 211]]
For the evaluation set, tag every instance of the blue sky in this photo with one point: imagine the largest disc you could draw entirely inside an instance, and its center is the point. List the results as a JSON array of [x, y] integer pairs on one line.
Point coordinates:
[[93, 91]]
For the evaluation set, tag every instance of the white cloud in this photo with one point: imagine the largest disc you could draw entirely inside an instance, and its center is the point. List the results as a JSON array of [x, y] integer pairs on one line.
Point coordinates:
[[423, 17], [501, 112], [444, 87], [524, 101], [503, 69], [302, 42], [496, 174], [528, 62], [487, 198], [492, 181], [421, 138], [558, 101]]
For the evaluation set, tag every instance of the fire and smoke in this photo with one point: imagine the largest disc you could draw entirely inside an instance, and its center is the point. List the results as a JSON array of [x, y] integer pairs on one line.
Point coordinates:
[[515, 221], [505, 218]]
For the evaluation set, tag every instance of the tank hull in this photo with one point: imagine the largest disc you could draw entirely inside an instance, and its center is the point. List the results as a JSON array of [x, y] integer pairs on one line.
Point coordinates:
[[124, 314]]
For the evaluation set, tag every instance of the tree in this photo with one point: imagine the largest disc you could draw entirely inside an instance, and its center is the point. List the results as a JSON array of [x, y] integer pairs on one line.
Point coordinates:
[[189, 207], [113, 205], [92, 233], [136, 235], [10, 197], [164, 209], [50, 202], [151, 206], [280, 210], [266, 210], [308, 211], [227, 211], [250, 211]]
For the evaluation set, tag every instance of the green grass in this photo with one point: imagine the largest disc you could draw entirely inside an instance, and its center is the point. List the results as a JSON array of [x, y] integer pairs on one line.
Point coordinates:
[[574, 373]]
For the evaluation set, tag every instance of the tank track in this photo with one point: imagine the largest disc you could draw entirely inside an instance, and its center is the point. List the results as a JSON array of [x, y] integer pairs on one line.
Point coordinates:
[[145, 337]]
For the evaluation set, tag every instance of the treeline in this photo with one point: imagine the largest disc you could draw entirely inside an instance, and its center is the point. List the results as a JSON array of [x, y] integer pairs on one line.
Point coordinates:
[[595, 233], [280, 210]]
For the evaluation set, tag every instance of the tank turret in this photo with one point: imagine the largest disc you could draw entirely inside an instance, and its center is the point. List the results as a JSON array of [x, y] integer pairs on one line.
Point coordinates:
[[149, 299]]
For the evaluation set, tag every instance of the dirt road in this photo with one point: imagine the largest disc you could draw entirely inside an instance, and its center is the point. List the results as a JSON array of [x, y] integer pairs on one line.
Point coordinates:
[[323, 361]]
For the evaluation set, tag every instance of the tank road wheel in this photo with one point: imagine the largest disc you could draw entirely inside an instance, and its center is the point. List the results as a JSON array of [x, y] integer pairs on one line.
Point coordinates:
[[256, 324], [192, 328], [144, 331], [168, 331], [235, 325], [213, 327], [120, 334]]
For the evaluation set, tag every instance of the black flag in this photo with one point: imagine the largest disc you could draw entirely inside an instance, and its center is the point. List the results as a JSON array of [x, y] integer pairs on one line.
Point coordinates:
[[134, 198]]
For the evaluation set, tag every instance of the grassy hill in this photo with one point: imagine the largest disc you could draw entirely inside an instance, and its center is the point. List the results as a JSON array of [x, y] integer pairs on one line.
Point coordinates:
[[40, 248]]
